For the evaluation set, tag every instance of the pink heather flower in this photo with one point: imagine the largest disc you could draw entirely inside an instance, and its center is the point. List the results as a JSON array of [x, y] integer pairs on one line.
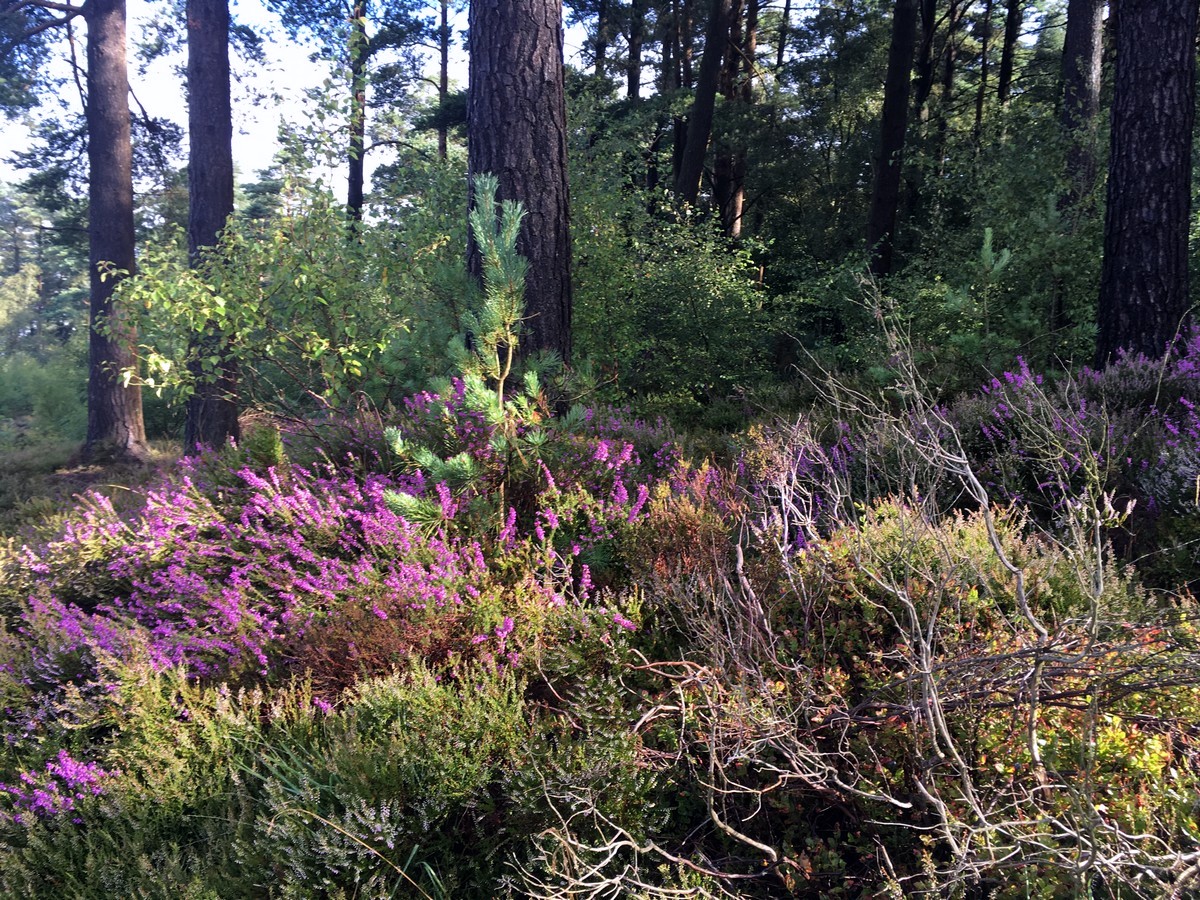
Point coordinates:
[[505, 629], [479, 639], [323, 705], [624, 622], [446, 499], [642, 493], [620, 496], [508, 534], [379, 613]]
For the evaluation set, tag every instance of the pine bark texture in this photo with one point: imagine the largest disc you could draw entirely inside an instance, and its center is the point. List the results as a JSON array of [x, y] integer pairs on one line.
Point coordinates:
[[443, 132], [637, 37], [600, 45], [212, 413], [700, 120], [924, 68], [115, 426], [885, 191], [985, 40], [1083, 51], [516, 130], [1013, 17], [356, 175], [1144, 278]]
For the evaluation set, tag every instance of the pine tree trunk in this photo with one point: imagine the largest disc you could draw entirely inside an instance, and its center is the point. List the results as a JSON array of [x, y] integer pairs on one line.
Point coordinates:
[[687, 48], [923, 85], [1144, 278], [700, 121], [1012, 32], [637, 36], [730, 173], [725, 145], [516, 130], [601, 43], [443, 75], [985, 39], [885, 192], [356, 178], [212, 413], [781, 44], [949, 70], [1083, 52], [115, 427]]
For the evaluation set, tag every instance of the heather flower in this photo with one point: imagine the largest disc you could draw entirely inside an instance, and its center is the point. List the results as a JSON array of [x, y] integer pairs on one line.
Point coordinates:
[[58, 788]]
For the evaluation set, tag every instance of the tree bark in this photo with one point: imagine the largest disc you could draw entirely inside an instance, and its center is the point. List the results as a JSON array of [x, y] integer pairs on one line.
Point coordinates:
[[115, 427], [444, 75], [781, 45], [725, 146], [686, 46], [985, 39], [700, 121], [954, 15], [356, 178], [885, 192], [924, 65], [1083, 52], [1013, 17], [637, 37], [1144, 277], [601, 43], [729, 171], [676, 76], [212, 410], [516, 130]]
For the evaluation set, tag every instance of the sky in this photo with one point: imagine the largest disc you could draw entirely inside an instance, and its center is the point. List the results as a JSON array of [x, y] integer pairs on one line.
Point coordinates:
[[281, 83]]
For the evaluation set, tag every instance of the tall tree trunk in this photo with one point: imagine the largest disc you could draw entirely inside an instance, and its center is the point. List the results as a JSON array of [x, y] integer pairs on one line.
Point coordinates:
[[730, 173], [637, 37], [212, 411], [600, 45], [924, 67], [885, 191], [443, 75], [699, 126], [1083, 52], [1013, 16], [358, 111], [781, 46], [985, 40], [746, 96], [949, 70], [687, 47], [115, 426], [678, 123], [516, 129], [725, 145], [1144, 278]]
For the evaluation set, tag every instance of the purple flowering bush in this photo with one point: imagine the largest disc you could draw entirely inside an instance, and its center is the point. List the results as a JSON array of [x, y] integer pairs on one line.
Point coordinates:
[[515, 643], [287, 570], [55, 790], [1128, 436]]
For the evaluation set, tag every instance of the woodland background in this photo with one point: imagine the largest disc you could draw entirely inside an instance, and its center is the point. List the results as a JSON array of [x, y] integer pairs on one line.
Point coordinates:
[[761, 460]]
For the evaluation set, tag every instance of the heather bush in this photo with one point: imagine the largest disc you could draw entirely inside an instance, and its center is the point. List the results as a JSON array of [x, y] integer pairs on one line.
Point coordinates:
[[1127, 439], [395, 793]]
